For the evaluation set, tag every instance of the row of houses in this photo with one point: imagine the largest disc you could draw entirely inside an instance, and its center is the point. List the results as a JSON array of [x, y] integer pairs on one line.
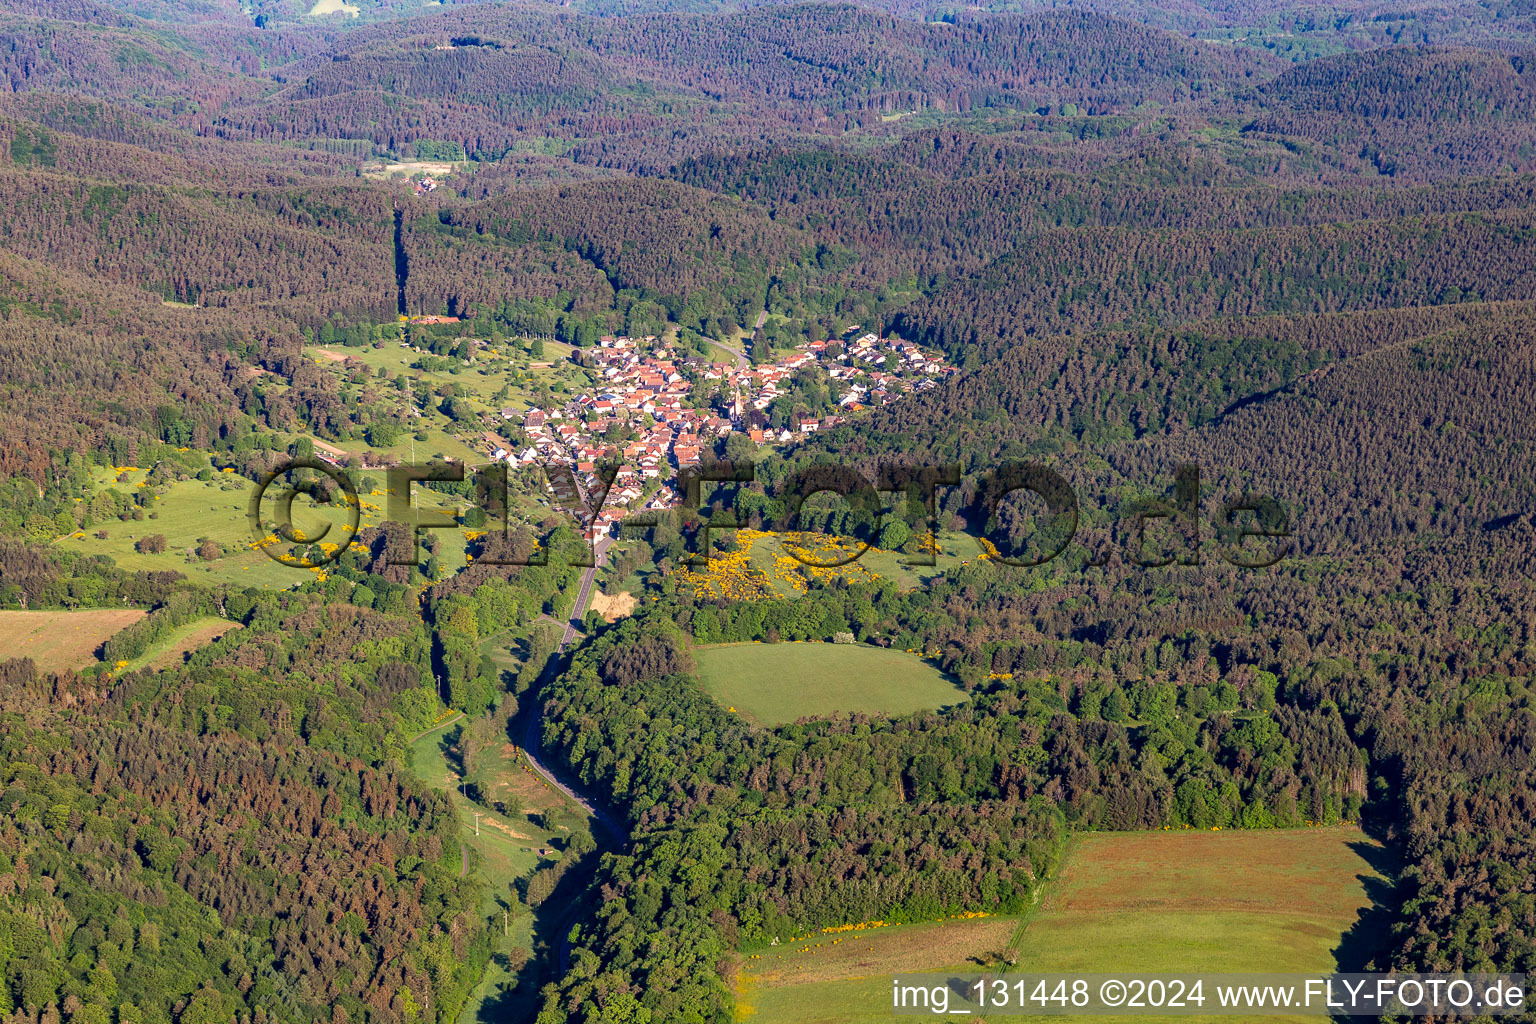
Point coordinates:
[[642, 414]]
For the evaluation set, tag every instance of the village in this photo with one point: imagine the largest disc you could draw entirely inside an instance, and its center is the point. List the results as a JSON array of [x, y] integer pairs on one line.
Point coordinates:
[[647, 396]]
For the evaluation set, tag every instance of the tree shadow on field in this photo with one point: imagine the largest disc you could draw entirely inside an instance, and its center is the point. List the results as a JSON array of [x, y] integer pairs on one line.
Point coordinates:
[[549, 958], [518, 999], [453, 754], [1363, 946]]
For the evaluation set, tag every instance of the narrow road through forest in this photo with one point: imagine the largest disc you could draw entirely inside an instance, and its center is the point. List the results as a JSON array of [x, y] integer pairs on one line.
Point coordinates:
[[533, 732]]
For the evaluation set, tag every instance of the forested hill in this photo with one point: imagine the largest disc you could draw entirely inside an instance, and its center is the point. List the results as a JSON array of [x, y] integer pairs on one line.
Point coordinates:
[[1098, 277], [1295, 33], [219, 839], [815, 70], [1455, 104], [1292, 32], [491, 80]]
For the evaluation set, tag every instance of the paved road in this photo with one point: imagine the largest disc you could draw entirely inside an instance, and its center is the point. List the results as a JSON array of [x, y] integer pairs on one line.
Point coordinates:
[[534, 731], [584, 592], [742, 362], [742, 359]]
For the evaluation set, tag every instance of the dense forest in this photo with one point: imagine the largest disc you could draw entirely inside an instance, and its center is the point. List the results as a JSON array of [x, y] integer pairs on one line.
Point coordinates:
[[1293, 246], [223, 838]]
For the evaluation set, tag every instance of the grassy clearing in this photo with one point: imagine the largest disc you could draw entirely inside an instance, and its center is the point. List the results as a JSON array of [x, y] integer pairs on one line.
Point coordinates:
[[181, 641], [776, 683], [769, 564], [507, 365], [218, 509], [186, 512], [1278, 900], [723, 355], [1153, 902], [838, 979], [57, 640], [324, 7], [381, 169], [494, 367], [503, 657], [506, 849]]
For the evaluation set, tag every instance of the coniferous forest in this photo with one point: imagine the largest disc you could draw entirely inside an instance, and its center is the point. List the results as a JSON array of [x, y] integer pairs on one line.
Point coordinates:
[[1216, 267]]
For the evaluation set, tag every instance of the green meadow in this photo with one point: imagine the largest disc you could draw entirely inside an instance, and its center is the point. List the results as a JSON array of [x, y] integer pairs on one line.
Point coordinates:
[[185, 513], [1283, 900], [494, 368], [218, 509], [502, 849], [771, 684]]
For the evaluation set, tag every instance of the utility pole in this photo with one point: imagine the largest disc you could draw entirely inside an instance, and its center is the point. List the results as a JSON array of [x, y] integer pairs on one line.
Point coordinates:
[[477, 824]]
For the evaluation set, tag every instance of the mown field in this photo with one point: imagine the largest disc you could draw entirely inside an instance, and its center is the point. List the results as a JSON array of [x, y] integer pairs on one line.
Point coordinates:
[[57, 640], [830, 979], [771, 684], [1154, 902]]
